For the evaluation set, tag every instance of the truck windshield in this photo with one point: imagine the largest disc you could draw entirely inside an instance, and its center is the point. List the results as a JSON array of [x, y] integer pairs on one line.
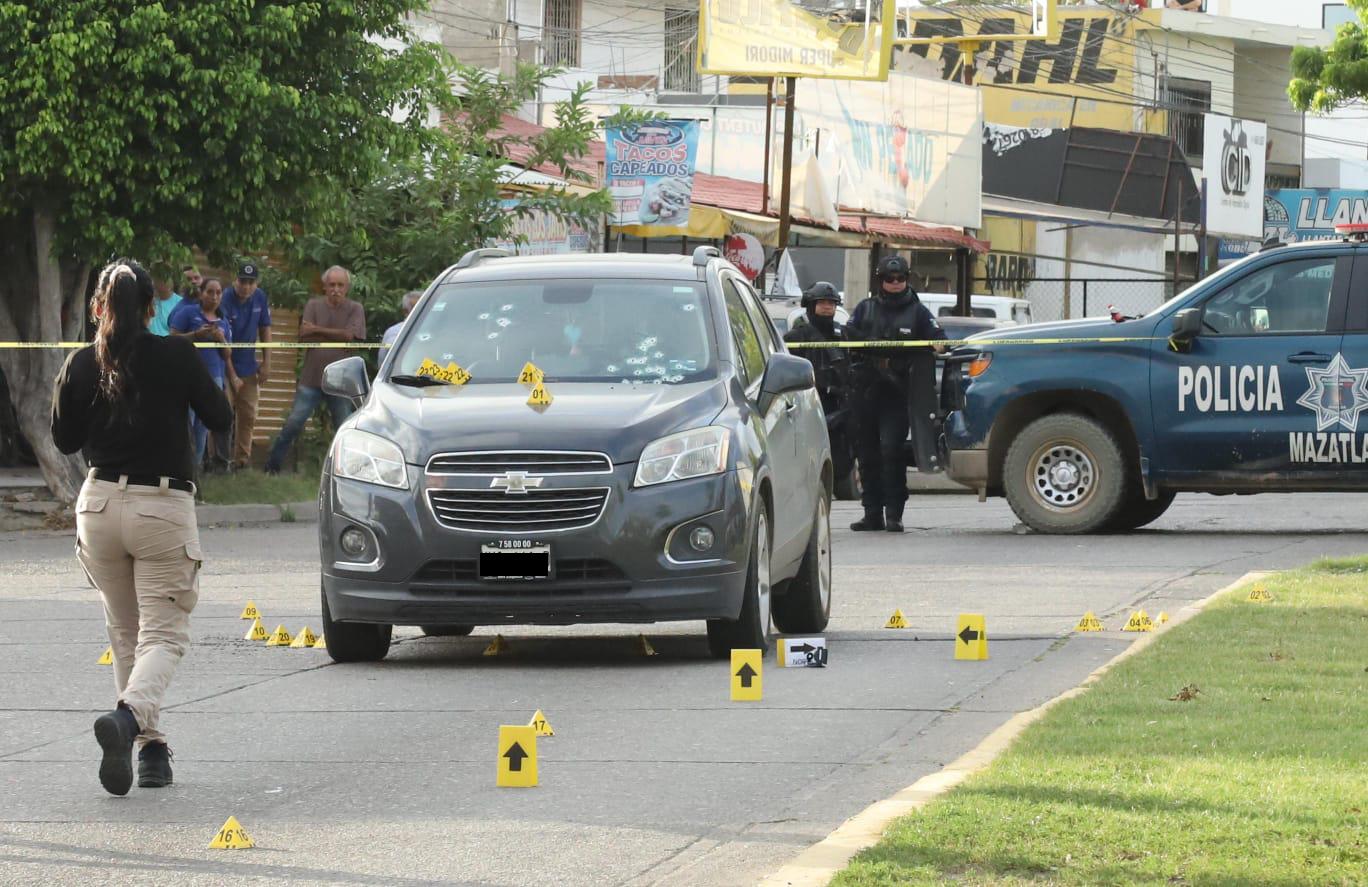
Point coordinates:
[[647, 331]]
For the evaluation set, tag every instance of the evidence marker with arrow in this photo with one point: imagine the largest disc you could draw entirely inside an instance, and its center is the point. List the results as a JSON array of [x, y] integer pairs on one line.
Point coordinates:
[[517, 756], [801, 652], [747, 678], [971, 637]]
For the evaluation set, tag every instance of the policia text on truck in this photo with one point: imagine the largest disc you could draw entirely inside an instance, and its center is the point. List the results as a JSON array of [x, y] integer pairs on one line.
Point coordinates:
[[1253, 380]]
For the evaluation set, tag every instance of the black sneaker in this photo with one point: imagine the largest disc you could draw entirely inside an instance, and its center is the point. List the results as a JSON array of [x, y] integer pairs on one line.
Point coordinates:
[[154, 765], [115, 732], [867, 523], [893, 526]]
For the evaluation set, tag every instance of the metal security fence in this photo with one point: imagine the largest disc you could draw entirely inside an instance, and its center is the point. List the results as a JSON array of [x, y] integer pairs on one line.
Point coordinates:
[[1058, 298]]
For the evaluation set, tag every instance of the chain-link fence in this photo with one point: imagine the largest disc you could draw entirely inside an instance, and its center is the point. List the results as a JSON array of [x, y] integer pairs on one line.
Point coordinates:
[[1058, 298]]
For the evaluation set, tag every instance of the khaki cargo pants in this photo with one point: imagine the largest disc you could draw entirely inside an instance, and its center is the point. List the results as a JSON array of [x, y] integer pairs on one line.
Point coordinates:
[[140, 548]]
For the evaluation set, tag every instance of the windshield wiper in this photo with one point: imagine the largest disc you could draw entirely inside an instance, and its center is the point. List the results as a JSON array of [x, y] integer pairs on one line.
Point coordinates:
[[417, 381]]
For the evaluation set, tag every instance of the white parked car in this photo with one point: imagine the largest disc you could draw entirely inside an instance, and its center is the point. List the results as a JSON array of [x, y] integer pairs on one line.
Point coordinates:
[[1005, 310]]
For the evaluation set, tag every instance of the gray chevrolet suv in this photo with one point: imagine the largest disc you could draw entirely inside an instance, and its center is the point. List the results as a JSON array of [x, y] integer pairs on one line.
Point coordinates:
[[681, 469]]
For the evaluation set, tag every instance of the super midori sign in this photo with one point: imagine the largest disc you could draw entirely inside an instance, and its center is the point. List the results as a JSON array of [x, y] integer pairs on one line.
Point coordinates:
[[846, 39]]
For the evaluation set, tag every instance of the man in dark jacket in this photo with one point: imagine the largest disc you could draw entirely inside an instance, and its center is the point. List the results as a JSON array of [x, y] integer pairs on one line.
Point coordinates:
[[832, 368], [889, 382]]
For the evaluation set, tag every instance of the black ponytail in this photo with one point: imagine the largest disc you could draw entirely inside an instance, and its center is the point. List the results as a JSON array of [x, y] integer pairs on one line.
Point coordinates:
[[123, 298]]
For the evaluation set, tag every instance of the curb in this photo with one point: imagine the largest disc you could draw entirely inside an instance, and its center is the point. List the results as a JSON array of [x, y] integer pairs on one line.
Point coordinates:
[[241, 515], [817, 865]]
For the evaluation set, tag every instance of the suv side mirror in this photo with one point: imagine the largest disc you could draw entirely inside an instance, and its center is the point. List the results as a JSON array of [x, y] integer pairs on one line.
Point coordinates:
[[784, 374], [347, 378], [1187, 324]]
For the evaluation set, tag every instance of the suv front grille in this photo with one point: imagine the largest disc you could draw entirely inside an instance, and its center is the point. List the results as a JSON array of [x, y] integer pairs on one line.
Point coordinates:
[[532, 462], [568, 570], [535, 511]]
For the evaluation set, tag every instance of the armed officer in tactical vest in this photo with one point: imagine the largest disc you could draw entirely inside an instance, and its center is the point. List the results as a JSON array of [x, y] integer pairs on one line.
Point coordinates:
[[833, 369], [895, 390]]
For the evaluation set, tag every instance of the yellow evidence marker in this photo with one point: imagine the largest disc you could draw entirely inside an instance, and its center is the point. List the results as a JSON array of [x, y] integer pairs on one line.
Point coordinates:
[[746, 675], [1139, 621], [452, 374], [539, 397], [971, 637], [644, 647], [530, 375], [1089, 622], [280, 637], [250, 611], [497, 647], [517, 757], [897, 620], [107, 657], [305, 638], [1163, 617], [321, 643], [541, 724], [231, 837], [1260, 595], [257, 632]]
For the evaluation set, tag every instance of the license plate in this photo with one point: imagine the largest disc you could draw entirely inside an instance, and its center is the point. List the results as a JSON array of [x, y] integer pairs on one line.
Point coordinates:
[[515, 560]]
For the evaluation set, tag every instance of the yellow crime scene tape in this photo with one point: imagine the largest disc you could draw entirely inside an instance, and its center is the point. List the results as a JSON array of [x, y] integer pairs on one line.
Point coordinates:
[[895, 343]]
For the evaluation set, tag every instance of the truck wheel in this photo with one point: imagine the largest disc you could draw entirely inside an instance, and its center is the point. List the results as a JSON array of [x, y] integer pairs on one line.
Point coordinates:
[[805, 605], [1064, 474], [354, 641], [751, 631], [1139, 511]]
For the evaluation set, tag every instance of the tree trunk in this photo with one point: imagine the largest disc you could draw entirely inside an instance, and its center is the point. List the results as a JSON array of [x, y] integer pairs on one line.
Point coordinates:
[[42, 298]]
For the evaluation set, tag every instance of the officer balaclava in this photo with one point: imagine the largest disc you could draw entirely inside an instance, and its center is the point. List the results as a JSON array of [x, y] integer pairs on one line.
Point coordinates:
[[821, 291], [894, 270]]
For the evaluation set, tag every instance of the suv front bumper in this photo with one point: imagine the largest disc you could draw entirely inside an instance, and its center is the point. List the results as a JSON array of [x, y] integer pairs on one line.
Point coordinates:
[[425, 573]]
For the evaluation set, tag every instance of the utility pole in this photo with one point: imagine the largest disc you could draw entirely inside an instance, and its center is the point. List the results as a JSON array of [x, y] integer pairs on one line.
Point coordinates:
[[786, 173]]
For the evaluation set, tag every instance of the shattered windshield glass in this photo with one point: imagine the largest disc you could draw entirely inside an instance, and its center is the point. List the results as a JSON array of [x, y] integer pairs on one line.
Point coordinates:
[[648, 331]]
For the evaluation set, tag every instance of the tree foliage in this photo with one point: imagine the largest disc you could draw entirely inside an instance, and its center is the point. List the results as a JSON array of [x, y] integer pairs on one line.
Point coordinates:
[[1325, 79], [423, 210]]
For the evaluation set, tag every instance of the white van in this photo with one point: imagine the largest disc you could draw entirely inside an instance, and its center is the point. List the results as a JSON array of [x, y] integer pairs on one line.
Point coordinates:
[[1004, 310]]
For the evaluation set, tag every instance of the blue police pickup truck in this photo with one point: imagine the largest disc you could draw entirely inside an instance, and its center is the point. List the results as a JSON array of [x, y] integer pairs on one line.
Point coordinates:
[[1251, 381]]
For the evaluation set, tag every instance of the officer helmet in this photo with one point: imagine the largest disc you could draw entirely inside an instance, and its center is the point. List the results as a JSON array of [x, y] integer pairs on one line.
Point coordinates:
[[893, 266], [821, 291]]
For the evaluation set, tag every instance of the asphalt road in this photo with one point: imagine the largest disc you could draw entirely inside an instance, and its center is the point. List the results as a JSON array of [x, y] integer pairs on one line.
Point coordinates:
[[384, 774]]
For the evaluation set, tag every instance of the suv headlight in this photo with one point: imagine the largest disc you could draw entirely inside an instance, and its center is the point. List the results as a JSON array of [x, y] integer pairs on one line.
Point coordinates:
[[696, 453], [359, 455]]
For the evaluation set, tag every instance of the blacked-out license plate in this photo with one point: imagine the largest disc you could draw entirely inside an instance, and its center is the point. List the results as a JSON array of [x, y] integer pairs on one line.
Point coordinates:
[[515, 560]]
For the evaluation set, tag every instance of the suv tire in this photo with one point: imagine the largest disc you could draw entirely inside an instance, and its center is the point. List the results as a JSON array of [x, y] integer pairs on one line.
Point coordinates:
[[354, 641], [752, 629], [805, 604], [1064, 473]]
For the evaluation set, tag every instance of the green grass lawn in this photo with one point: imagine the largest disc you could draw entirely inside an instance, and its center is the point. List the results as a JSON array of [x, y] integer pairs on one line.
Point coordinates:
[[1261, 778], [253, 487]]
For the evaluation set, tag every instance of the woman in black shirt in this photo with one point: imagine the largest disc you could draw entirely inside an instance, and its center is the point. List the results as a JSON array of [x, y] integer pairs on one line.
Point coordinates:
[[124, 402]]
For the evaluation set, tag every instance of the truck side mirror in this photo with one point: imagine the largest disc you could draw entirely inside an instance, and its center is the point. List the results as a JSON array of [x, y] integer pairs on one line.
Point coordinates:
[[1187, 324]]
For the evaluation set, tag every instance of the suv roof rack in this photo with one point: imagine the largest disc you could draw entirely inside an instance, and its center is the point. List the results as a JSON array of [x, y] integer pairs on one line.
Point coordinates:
[[704, 254], [476, 256]]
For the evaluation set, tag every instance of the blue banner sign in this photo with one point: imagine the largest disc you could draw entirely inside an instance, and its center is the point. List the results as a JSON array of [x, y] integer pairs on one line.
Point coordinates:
[[650, 169], [1294, 215]]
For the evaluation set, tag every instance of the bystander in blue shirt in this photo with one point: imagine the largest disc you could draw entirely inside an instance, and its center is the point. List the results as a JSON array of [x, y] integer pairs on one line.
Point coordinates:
[[159, 325], [246, 317]]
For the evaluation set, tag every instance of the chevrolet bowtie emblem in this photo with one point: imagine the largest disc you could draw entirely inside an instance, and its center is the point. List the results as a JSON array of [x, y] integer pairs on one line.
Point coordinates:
[[515, 482]]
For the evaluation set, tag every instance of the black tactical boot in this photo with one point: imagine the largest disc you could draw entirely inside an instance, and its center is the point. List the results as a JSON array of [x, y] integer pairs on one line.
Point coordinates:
[[873, 520], [115, 732], [893, 521], [154, 765]]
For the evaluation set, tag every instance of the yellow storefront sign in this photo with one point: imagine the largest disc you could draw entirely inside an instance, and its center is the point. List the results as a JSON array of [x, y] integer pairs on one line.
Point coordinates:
[[1083, 76], [776, 38]]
